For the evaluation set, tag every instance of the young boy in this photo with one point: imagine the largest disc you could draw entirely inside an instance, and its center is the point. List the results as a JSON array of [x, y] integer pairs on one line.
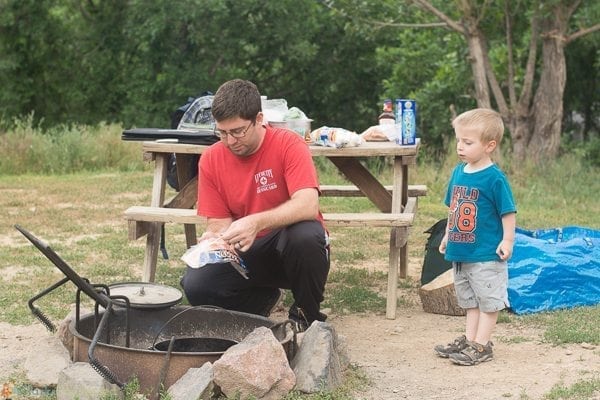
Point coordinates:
[[480, 234]]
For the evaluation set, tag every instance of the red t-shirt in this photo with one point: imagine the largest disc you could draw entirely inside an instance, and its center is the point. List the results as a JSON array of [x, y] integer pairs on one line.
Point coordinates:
[[232, 186]]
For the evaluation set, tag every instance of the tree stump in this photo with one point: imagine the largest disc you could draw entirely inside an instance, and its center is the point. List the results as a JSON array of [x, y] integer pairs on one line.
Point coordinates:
[[439, 297]]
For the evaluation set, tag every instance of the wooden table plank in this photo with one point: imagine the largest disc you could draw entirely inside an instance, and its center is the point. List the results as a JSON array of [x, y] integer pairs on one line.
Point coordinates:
[[367, 149]]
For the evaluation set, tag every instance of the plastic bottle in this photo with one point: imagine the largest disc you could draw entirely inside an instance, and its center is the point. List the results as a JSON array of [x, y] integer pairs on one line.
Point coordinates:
[[387, 116]]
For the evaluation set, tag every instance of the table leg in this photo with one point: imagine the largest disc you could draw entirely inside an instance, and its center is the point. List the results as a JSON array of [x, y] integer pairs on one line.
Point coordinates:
[[403, 170], [158, 197], [392, 285], [186, 163], [397, 262], [151, 255]]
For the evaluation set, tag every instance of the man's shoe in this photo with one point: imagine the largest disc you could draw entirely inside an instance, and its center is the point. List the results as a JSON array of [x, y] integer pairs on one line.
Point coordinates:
[[474, 354], [297, 315], [458, 345], [271, 306]]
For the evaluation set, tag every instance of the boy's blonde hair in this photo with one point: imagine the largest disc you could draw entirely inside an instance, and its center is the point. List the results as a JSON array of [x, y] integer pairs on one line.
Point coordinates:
[[488, 121]]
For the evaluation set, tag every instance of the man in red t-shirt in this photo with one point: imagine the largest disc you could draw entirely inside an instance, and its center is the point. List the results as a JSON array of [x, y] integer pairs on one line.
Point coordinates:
[[258, 188]]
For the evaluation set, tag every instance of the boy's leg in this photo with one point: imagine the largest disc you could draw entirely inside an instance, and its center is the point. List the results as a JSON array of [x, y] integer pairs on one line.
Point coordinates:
[[472, 323], [490, 284], [489, 281], [482, 288], [462, 342], [478, 349], [485, 328], [465, 299]]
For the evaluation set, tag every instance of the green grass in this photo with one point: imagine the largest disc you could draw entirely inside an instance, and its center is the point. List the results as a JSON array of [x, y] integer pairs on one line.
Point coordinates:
[[576, 325], [585, 389], [77, 207]]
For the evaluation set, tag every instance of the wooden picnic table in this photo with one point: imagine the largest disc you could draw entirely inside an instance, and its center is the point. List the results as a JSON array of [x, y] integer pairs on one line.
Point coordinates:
[[396, 207]]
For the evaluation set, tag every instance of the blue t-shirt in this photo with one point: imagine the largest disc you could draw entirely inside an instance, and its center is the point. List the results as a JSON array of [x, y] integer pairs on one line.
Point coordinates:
[[477, 201]]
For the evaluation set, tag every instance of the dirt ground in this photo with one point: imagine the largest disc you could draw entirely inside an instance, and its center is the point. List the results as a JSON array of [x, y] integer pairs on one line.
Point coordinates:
[[397, 357]]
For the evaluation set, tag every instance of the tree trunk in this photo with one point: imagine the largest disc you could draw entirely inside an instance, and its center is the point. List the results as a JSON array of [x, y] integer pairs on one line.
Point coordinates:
[[535, 125], [521, 134], [476, 43], [482, 93], [548, 100]]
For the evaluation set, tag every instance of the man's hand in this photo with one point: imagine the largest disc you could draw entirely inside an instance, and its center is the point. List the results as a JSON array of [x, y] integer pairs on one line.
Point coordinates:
[[241, 233], [208, 235], [302, 206]]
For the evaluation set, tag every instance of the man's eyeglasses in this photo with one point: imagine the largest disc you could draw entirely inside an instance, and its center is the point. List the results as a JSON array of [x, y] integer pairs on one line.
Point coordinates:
[[236, 133]]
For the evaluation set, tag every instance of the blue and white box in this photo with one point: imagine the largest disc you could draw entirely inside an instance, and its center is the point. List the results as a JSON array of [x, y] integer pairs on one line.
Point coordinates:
[[406, 120]]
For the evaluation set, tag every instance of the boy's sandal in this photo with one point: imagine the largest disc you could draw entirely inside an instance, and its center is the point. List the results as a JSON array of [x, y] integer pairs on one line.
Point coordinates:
[[474, 354]]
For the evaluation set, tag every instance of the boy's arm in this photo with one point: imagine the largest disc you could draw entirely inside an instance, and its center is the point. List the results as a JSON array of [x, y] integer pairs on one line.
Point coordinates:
[[505, 248], [444, 242]]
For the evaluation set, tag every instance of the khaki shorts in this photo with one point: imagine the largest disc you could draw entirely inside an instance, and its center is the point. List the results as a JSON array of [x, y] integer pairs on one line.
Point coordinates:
[[482, 285]]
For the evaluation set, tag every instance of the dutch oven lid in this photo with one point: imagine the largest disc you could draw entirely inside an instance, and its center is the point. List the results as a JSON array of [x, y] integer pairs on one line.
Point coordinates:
[[146, 294]]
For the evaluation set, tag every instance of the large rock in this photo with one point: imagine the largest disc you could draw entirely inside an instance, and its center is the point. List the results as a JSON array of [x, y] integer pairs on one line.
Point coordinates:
[[63, 332], [256, 367], [80, 381], [320, 360], [45, 363], [195, 384]]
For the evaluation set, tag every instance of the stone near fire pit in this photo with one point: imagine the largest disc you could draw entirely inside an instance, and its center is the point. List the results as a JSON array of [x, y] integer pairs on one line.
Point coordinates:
[[321, 359], [196, 384], [80, 381], [43, 365], [256, 367], [63, 333]]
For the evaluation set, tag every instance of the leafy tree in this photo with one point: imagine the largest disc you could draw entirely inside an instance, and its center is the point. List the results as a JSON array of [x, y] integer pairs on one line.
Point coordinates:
[[582, 94], [135, 61], [514, 51], [532, 103], [35, 60], [154, 56]]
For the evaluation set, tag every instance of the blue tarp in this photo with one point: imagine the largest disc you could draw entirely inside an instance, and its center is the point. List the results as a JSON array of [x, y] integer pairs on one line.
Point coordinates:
[[554, 268]]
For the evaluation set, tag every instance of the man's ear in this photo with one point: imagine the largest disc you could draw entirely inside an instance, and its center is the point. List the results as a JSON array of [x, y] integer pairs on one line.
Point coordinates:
[[259, 118]]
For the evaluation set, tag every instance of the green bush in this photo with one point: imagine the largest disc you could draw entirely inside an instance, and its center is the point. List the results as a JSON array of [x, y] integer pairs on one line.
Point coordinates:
[[26, 148]]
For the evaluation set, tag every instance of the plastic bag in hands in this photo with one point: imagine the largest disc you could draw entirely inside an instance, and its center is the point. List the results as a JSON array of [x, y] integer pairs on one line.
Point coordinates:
[[213, 251]]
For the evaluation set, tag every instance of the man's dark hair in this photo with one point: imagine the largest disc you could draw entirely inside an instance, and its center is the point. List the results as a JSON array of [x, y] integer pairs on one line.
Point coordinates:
[[236, 98]]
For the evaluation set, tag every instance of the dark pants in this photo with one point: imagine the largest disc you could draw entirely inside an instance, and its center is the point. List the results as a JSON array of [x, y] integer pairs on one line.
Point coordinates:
[[295, 257]]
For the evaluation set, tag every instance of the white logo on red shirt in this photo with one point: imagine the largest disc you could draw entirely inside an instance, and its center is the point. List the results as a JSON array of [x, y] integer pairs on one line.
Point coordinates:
[[262, 179]]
